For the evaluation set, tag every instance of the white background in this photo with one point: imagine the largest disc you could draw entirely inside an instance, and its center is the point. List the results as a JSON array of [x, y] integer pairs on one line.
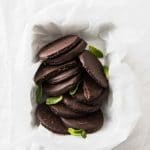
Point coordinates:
[[14, 14]]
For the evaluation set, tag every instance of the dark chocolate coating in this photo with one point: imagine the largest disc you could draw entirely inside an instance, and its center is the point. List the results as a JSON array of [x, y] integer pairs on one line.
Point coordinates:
[[91, 88], [59, 46], [79, 97], [61, 88], [45, 71], [50, 120], [79, 107], [89, 91], [102, 98], [64, 75], [62, 110], [94, 68], [69, 55], [90, 123]]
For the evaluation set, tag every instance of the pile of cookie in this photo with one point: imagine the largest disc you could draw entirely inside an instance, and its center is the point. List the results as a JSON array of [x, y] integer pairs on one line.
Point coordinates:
[[75, 86]]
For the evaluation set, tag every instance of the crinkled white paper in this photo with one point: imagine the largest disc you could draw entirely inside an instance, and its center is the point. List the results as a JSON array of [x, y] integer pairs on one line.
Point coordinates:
[[89, 21]]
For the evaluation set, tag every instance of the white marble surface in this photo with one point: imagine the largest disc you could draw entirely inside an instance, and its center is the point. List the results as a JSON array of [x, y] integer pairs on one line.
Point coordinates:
[[132, 13]]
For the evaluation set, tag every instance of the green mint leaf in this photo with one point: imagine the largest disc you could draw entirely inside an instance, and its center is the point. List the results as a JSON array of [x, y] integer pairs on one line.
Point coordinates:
[[54, 100], [74, 90], [83, 134], [77, 132], [106, 71], [38, 94], [95, 51]]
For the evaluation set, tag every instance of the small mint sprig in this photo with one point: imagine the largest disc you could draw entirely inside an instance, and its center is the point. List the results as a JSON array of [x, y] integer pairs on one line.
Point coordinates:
[[74, 90], [77, 132], [38, 94], [95, 51], [54, 100], [106, 71]]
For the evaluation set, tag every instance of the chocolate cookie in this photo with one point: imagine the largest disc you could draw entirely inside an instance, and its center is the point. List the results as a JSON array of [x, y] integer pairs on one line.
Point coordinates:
[[94, 68], [50, 120], [79, 97], [90, 123], [46, 71], [59, 46], [62, 87], [101, 99], [65, 57], [61, 110], [90, 88], [79, 107], [89, 91], [64, 75]]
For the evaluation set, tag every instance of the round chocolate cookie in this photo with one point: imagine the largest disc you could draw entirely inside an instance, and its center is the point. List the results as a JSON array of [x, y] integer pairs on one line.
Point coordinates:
[[65, 57], [90, 123], [59, 46], [102, 98], [91, 89], [64, 75], [79, 97], [79, 107], [46, 71], [94, 68], [50, 120], [62, 87], [62, 110]]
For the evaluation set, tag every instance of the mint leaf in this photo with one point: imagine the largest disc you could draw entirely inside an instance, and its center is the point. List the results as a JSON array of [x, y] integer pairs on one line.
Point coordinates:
[[77, 132], [106, 71], [38, 94], [54, 100], [74, 90], [83, 134], [95, 51]]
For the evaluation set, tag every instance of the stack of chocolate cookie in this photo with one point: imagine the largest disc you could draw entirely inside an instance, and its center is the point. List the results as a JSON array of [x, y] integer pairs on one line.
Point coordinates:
[[77, 76]]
